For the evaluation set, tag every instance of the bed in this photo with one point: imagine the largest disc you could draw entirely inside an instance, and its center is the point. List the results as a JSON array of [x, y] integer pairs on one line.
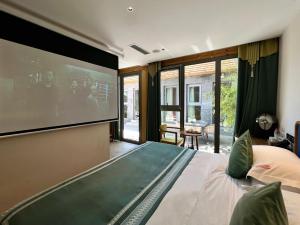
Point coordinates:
[[153, 184], [210, 195]]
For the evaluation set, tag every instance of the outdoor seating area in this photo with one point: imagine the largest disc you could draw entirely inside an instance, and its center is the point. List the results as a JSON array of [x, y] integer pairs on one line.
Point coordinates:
[[199, 138]]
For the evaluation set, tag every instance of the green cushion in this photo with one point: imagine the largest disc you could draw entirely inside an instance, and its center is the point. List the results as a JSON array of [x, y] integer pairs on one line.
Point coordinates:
[[241, 157], [263, 206]]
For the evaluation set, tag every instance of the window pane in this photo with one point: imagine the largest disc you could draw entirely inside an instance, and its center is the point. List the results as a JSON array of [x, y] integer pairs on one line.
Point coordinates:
[[125, 96], [125, 111], [199, 92], [194, 94], [170, 95], [229, 71], [131, 108], [171, 118], [191, 94], [169, 87], [194, 113], [200, 102], [136, 101]]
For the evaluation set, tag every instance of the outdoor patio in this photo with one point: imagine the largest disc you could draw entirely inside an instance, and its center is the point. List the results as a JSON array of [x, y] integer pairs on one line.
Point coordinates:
[[131, 131]]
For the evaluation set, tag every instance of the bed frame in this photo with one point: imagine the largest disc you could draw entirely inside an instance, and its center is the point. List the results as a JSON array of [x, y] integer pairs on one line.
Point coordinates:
[[297, 139]]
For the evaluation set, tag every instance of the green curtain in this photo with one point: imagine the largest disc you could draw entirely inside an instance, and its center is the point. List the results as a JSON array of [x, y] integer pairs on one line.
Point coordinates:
[[257, 84], [153, 102]]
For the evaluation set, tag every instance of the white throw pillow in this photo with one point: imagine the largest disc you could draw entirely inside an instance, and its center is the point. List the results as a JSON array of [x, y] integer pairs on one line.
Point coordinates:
[[272, 164]]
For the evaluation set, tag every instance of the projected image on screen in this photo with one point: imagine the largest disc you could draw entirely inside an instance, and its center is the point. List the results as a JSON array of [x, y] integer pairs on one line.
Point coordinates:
[[39, 89]]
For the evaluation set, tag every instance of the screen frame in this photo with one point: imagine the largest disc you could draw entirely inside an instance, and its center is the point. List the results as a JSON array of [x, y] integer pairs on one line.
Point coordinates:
[[16, 30], [297, 139]]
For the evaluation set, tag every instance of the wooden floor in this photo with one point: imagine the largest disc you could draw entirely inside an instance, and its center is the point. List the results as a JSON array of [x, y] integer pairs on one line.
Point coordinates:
[[119, 147]]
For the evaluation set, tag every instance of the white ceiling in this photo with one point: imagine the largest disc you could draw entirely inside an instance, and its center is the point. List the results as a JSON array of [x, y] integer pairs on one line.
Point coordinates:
[[181, 27]]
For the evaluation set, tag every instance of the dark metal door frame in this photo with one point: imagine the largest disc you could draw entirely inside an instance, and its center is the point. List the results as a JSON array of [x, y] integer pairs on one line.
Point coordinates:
[[217, 90], [217, 105], [218, 81]]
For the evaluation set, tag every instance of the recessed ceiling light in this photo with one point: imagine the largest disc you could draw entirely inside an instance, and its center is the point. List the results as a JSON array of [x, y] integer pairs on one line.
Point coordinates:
[[130, 9]]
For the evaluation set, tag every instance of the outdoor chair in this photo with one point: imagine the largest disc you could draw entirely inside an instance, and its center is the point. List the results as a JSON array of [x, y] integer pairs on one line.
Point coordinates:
[[173, 137]]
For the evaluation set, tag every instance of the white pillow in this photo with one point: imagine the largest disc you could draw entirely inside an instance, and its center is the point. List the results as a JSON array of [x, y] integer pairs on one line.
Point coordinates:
[[272, 164]]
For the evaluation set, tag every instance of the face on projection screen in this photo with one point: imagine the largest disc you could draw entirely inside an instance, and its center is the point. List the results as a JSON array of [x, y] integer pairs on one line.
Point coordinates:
[[39, 89]]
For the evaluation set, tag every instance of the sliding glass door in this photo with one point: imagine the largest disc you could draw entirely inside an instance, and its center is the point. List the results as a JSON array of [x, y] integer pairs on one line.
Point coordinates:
[[229, 78], [130, 108], [199, 108], [201, 98]]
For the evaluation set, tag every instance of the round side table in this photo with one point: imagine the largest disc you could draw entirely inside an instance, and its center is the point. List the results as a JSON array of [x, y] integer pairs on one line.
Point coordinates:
[[192, 135]]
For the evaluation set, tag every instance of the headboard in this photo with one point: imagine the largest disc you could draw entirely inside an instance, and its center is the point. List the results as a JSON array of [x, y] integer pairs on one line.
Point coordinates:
[[297, 138]]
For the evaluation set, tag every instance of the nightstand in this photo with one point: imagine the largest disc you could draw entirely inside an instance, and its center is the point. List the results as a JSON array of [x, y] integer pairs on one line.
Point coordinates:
[[259, 141], [282, 144]]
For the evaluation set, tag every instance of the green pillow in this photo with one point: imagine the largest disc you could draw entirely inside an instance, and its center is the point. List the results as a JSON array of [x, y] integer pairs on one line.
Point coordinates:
[[241, 157], [263, 206]]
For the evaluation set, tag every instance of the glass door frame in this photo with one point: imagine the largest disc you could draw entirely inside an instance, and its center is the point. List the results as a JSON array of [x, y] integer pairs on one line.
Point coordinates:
[[188, 103], [180, 106], [217, 90], [122, 76]]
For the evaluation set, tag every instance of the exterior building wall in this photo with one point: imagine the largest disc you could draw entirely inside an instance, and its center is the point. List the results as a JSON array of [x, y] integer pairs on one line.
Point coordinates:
[[206, 94]]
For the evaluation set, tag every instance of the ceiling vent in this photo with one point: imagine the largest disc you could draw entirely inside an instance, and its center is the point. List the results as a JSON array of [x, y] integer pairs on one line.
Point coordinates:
[[139, 49]]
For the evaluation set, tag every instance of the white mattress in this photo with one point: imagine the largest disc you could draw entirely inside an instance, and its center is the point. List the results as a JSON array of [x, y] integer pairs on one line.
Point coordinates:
[[205, 195]]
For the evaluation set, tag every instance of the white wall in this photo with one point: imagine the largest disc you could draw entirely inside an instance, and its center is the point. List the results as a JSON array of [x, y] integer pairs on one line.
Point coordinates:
[[33, 162], [289, 77]]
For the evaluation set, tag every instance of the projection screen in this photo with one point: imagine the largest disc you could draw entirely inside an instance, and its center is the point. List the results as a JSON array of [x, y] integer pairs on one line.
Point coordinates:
[[39, 89]]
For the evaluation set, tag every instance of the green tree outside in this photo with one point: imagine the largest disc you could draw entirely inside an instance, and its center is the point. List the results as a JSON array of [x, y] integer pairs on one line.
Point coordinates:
[[228, 99]]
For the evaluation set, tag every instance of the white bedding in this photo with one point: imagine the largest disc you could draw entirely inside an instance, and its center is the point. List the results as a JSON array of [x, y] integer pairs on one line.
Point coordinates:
[[205, 195]]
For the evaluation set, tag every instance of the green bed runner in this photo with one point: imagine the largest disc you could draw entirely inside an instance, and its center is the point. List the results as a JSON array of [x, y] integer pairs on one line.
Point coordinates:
[[125, 190]]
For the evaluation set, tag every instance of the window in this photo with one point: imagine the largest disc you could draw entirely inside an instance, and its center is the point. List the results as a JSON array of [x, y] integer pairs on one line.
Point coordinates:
[[193, 105], [130, 121], [125, 111], [170, 95], [136, 104], [228, 96], [199, 97], [194, 94], [125, 96], [169, 83], [171, 118], [199, 94]]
